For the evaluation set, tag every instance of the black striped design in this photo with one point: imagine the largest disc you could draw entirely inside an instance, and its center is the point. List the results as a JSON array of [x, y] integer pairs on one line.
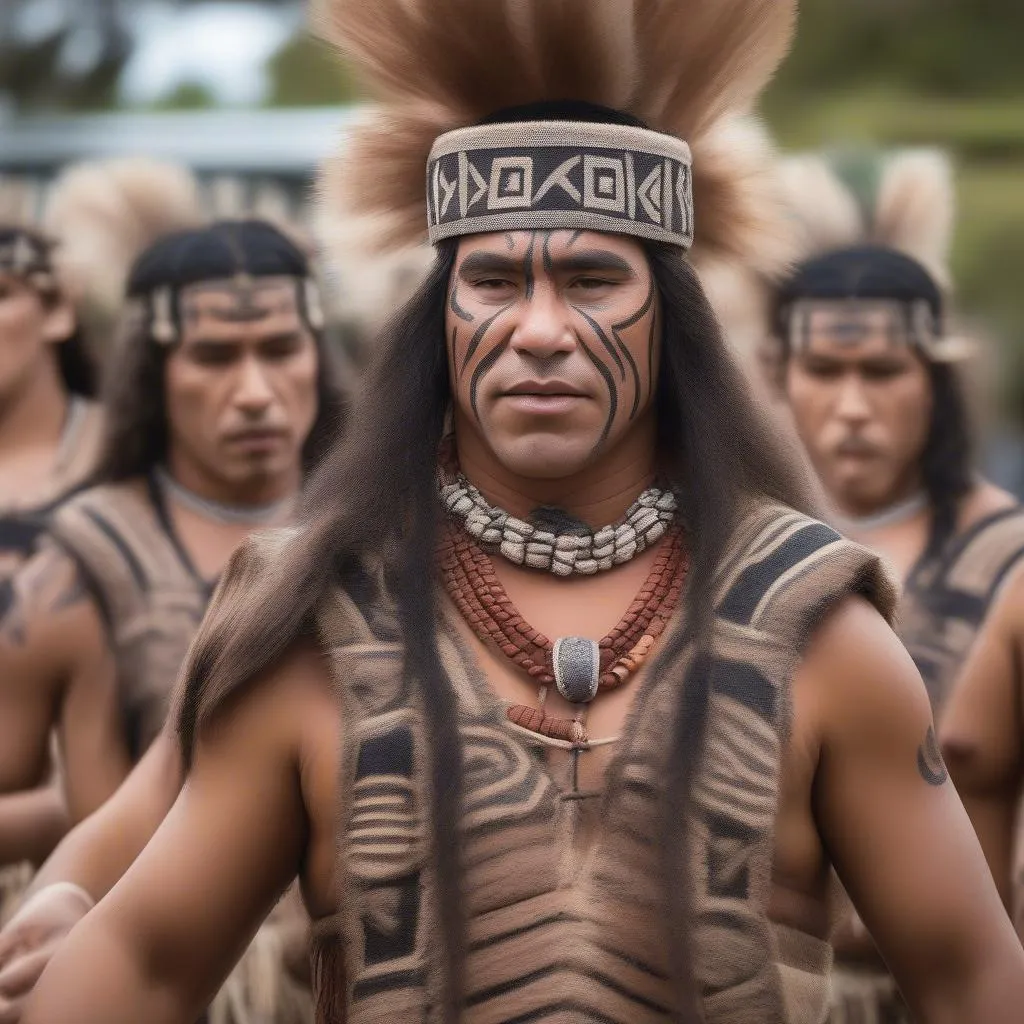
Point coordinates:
[[561, 931]]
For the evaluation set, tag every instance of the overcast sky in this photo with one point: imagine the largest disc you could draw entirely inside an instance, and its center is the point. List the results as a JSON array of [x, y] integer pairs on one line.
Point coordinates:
[[222, 45]]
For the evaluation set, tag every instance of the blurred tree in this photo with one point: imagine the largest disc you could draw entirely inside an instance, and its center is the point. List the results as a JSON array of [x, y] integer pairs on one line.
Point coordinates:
[[75, 60], [303, 73], [188, 96]]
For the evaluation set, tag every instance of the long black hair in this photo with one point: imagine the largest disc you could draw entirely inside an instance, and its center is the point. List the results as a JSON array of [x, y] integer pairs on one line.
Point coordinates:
[[374, 497], [136, 433]]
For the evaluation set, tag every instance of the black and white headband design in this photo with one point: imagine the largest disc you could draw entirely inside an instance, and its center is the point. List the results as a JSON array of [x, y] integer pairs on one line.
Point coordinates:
[[25, 255], [547, 175]]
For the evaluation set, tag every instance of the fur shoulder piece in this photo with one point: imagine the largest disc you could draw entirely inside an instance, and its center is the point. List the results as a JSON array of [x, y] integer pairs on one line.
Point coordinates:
[[688, 68], [902, 199]]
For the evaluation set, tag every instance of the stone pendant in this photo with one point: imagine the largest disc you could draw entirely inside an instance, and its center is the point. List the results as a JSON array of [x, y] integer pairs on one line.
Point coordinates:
[[577, 665]]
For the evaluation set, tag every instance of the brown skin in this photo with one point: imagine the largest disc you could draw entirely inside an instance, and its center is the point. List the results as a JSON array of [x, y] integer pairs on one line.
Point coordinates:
[[241, 399], [261, 802], [862, 405], [33, 398], [981, 730]]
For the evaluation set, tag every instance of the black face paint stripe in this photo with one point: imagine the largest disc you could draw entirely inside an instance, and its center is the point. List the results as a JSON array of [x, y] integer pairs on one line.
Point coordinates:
[[546, 253], [510, 242], [479, 337], [624, 325], [453, 303], [528, 275], [603, 338], [482, 367], [575, 237], [613, 394]]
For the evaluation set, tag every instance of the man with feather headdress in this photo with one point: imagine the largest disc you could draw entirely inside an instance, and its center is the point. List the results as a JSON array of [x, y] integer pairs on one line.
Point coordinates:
[[222, 395], [869, 369], [497, 816]]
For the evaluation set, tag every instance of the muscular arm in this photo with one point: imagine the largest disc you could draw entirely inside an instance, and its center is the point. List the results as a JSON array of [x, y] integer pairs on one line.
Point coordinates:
[[57, 670], [159, 944], [897, 832], [99, 850], [981, 732]]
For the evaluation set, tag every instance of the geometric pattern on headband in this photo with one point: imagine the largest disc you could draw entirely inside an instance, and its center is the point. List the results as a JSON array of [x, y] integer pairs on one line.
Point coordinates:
[[549, 175], [912, 324], [164, 302], [22, 254]]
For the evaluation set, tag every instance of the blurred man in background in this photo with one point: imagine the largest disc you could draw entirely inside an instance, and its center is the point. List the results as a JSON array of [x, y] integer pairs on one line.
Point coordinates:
[[223, 398], [868, 368]]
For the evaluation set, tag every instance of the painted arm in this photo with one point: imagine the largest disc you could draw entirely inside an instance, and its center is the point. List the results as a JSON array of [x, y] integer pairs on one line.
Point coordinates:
[[981, 728], [57, 670], [896, 831], [157, 947]]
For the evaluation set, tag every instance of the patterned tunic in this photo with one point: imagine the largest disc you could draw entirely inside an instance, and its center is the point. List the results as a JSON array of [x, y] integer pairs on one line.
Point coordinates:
[[943, 606], [565, 909], [947, 596]]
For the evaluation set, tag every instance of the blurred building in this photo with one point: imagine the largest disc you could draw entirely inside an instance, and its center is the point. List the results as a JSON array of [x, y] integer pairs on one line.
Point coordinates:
[[259, 161]]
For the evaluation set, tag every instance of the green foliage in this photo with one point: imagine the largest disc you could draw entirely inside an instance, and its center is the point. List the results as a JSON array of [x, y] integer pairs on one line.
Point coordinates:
[[304, 73], [188, 96]]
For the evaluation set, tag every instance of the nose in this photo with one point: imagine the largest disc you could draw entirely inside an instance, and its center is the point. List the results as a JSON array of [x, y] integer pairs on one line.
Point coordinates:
[[544, 328], [852, 405], [253, 393]]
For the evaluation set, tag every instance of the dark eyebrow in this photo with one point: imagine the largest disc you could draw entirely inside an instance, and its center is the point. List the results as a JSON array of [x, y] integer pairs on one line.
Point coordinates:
[[489, 263], [592, 259], [586, 260]]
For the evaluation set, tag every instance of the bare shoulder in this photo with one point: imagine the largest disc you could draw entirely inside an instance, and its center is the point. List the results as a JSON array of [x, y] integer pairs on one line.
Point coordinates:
[[984, 500], [856, 674], [283, 706]]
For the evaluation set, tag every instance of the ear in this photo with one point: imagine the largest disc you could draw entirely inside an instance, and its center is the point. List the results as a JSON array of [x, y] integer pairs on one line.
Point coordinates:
[[60, 322]]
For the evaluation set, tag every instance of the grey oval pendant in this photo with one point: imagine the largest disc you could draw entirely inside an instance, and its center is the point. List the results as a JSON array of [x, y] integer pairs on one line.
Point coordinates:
[[577, 664]]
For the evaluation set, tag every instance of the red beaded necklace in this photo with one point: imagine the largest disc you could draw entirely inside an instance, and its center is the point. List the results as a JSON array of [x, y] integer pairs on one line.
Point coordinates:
[[471, 582]]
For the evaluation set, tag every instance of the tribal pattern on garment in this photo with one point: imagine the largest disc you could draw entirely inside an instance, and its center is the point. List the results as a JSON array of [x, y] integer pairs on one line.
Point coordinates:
[[562, 922]]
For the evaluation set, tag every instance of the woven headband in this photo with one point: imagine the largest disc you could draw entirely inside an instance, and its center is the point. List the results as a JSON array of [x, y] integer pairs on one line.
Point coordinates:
[[26, 256], [548, 175]]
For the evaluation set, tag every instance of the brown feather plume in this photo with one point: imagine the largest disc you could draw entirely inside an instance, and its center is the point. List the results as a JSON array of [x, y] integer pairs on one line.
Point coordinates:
[[104, 213], [685, 67], [912, 208]]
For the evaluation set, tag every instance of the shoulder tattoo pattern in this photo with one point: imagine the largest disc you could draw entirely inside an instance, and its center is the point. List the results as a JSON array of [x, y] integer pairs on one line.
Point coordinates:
[[929, 760]]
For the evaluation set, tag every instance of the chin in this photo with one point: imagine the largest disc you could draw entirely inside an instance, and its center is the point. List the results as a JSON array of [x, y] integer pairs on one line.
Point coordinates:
[[544, 456]]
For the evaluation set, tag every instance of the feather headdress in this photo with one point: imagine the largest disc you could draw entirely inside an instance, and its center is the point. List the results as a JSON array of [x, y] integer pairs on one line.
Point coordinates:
[[876, 227], [690, 69], [902, 200], [104, 213]]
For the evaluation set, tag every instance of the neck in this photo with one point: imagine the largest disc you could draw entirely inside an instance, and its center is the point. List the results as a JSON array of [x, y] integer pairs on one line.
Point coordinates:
[[34, 416], [596, 495], [255, 492]]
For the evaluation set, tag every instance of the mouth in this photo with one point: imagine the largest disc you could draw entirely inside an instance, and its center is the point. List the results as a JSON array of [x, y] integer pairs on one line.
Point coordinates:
[[257, 438], [856, 450], [543, 389]]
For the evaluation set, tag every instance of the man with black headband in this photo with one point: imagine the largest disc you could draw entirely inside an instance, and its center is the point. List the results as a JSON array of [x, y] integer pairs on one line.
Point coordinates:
[[567, 741], [869, 373], [222, 399]]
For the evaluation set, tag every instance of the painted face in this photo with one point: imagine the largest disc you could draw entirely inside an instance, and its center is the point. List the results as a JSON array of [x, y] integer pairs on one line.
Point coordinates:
[[552, 346], [241, 385], [862, 402], [29, 326]]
